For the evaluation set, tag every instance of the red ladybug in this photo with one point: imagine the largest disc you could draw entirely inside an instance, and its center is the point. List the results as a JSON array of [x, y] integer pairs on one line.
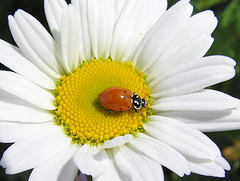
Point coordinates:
[[120, 99]]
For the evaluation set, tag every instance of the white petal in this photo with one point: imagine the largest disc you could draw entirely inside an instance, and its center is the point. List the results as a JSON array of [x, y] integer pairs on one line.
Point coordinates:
[[156, 8], [162, 33], [35, 43], [196, 147], [118, 141], [137, 17], [156, 169], [101, 19], [53, 10], [19, 86], [222, 162], [58, 168], [150, 166], [14, 109], [208, 120], [91, 160], [135, 165], [85, 45], [171, 60], [161, 153], [70, 38], [216, 126], [12, 57], [112, 173], [197, 25], [195, 76], [203, 22], [194, 37], [208, 168], [39, 39], [205, 100], [189, 142], [11, 131], [34, 149]]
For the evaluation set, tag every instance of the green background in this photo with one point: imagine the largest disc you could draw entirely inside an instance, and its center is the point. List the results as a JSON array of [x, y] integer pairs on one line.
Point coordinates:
[[227, 42]]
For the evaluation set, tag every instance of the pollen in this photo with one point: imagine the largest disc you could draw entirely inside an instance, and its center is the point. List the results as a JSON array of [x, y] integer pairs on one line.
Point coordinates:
[[81, 115]]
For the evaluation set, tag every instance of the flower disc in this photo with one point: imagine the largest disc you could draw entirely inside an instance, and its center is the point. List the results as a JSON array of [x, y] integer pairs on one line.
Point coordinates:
[[81, 114]]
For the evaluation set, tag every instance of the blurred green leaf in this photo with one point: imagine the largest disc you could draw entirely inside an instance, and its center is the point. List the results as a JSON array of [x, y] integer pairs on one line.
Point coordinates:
[[205, 4], [231, 15]]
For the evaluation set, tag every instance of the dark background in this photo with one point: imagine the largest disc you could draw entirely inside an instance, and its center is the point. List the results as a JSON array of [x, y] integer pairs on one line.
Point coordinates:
[[227, 42]]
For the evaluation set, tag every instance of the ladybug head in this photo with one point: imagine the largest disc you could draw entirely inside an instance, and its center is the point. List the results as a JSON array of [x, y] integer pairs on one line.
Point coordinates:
[[144, 103]]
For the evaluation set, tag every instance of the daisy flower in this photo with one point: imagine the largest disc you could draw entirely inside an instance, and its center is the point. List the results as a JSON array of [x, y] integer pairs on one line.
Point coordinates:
[[49, 106]]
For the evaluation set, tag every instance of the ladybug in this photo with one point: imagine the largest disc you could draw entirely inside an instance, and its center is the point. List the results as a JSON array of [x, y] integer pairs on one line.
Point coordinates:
[[121, 99]]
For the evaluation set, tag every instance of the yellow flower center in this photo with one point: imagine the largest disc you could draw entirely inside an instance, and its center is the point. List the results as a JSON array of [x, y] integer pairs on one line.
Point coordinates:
[[78, 110]]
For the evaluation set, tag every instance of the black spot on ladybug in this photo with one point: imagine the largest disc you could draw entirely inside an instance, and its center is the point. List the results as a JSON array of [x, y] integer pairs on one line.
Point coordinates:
[[120, 109]]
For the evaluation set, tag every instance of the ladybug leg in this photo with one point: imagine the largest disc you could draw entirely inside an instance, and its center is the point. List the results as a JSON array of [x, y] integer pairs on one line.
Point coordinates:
[[135, 110], [138, 111]]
